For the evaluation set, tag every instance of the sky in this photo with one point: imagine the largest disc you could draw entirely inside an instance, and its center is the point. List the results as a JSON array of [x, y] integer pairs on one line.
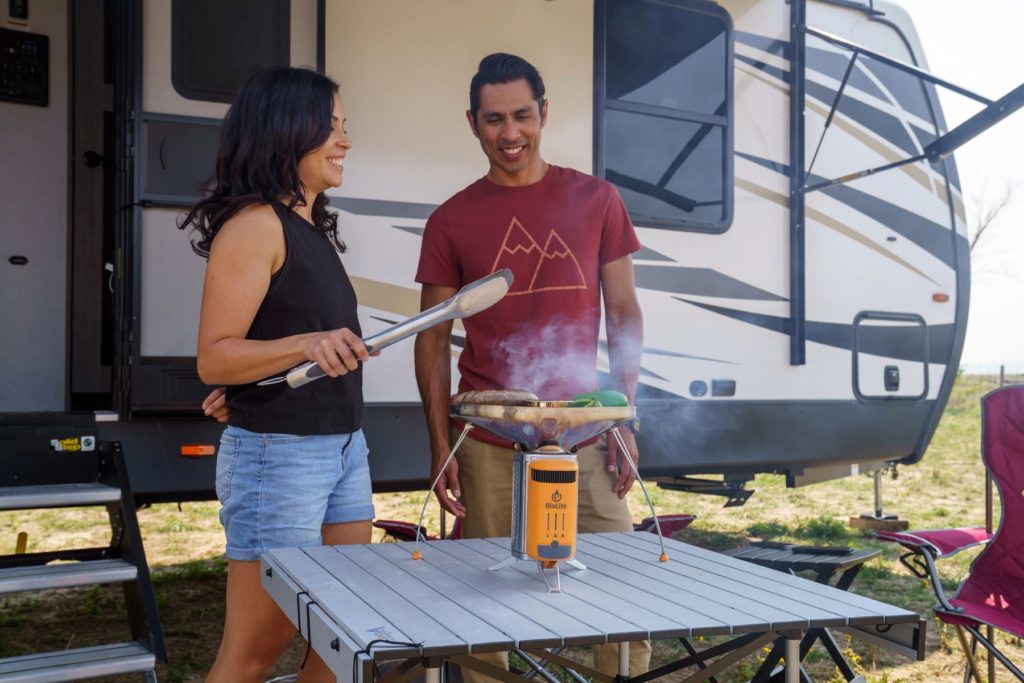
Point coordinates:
[[979, 45]]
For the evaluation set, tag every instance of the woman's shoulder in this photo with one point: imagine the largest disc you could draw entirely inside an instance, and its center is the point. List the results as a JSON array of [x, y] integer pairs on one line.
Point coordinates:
[[255, 217], [255, 227], [255, 221]]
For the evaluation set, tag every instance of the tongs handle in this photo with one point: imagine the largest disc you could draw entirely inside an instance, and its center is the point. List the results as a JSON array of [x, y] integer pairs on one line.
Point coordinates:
[[310, 370]]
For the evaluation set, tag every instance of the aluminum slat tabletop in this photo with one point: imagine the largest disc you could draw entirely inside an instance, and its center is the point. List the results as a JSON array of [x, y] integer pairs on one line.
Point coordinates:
[[448, 604]]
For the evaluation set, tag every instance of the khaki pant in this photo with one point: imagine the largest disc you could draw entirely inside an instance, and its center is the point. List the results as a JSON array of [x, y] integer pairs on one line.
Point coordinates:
[[485, 480]]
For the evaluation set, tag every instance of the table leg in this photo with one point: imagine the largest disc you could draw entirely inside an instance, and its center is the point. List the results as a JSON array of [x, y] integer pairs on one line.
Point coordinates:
[[837, 656], [792, 660], [693, 653], [432, 674], [764, 672], [624, 660]]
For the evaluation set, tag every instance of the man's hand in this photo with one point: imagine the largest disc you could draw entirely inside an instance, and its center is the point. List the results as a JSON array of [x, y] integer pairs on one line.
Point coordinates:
[[216, 406], [626, 478], [449, 481]]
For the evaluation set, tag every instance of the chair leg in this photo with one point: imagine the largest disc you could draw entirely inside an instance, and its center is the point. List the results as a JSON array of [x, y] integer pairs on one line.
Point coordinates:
[[990, 634], [999, 655], [972, 663]]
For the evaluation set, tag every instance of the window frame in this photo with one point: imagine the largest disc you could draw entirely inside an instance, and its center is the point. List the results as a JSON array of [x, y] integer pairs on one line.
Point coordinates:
[[281, 51], [726, 122]]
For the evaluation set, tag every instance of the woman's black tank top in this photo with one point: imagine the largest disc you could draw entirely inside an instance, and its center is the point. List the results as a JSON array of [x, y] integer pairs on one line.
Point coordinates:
[[309, 293]]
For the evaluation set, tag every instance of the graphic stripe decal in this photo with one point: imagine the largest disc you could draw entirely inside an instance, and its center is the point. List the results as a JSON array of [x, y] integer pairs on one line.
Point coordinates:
[[885, 125], [772, 46], [402, 301], [898, 342], [409, 229], [648, 254], [699, 282], [380, 207], [651, 351], [828, 222], [931, 236], [912, 170]]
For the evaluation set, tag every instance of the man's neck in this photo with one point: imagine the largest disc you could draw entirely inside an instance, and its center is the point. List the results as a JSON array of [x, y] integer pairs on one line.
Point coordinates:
[[528, 176]]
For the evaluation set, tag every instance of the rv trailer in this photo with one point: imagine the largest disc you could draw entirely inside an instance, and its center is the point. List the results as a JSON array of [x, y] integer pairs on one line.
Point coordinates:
[[804, 274]]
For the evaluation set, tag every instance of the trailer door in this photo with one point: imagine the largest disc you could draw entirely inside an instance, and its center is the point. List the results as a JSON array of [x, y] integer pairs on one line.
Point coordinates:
[[33, 219], [195, 55]]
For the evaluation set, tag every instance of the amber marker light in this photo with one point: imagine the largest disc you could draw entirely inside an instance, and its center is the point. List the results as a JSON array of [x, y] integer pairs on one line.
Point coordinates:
[[198, 450], [940, 297]]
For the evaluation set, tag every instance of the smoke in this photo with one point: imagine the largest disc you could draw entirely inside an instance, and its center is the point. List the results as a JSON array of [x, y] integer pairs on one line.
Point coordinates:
[[555, 361], [558, 360], [674, 432]]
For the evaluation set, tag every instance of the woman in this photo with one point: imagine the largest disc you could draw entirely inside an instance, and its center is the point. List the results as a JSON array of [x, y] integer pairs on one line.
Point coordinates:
[[292, 465]]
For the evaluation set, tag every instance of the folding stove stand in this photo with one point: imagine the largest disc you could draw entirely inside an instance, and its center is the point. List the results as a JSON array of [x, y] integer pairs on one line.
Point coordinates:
[[363, 605]]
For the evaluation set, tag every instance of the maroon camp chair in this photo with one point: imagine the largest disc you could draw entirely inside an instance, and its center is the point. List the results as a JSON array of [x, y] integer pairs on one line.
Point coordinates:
[[993, 592]]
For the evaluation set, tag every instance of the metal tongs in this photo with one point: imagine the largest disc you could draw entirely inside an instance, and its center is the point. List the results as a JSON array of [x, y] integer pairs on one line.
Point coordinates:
[[470, 300]]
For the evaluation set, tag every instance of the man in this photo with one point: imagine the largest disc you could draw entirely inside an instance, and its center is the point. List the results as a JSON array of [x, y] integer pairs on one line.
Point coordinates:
[[568, 239]]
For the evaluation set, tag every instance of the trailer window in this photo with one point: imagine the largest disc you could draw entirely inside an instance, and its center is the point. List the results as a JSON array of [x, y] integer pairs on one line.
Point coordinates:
[[664, 114], [216, 46]]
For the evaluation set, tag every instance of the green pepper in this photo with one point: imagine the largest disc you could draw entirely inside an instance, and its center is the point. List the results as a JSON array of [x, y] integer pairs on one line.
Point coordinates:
[[607, 398]]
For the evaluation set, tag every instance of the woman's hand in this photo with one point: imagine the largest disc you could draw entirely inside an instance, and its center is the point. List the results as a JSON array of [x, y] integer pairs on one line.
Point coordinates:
[[336, 352], [216, 406]]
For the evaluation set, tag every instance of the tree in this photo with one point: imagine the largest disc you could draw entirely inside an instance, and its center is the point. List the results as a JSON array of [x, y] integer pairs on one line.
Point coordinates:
[[980, 234]]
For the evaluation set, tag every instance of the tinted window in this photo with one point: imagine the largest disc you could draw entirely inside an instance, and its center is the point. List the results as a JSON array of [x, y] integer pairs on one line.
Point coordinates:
[[664, 124], [216, 46]]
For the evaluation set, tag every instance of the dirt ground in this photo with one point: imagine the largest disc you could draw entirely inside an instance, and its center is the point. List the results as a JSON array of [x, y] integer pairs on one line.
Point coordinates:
[[185, 550]]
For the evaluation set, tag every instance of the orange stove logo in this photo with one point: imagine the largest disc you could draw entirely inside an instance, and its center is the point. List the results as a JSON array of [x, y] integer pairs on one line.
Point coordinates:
[[538, 269]]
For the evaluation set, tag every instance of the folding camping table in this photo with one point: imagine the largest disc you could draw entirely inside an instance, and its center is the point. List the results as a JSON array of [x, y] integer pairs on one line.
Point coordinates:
[[363, 605]]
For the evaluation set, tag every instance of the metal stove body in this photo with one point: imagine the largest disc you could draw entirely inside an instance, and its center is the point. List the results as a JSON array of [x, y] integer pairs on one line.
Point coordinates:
[[545, 504]]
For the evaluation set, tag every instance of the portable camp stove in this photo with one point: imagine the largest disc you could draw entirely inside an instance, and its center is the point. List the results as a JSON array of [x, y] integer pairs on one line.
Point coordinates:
[[545, 472]]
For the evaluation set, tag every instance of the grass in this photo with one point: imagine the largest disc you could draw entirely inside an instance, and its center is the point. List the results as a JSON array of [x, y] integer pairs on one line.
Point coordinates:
[[185, 550]]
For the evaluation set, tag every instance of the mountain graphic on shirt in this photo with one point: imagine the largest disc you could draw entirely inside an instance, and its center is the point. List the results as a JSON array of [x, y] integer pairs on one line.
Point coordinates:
[[521, 254], [536, 268], [558, 269]]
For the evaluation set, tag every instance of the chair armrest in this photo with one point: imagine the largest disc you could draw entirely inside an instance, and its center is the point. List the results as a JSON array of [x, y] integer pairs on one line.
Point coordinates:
[[940, 543], [401, 531], [927, 546], [669, 524]]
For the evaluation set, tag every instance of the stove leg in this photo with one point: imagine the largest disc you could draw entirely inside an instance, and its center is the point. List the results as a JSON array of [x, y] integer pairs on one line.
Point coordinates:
[[575, 564], [507, 562]]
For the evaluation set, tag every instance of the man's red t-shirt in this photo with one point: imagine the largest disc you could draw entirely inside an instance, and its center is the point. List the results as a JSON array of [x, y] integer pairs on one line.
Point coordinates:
[[554, 235]]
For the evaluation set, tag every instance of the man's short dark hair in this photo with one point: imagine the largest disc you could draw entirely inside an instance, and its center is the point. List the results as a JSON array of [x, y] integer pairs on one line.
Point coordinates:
[[502, 67]]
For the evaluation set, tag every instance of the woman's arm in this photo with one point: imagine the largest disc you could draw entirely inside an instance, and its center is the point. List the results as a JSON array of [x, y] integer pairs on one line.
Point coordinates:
[[248, 249]]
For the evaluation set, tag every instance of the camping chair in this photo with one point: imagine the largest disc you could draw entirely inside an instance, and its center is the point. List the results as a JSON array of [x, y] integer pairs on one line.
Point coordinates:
[[406, 531], [993, 591]]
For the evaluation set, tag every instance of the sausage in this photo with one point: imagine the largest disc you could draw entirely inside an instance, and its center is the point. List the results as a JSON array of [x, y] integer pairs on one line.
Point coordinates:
[[495, 397]]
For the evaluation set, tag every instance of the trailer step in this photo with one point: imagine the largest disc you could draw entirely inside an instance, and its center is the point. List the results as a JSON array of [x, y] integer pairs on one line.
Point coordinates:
[[56, 496], [43, 577], [76, 665]]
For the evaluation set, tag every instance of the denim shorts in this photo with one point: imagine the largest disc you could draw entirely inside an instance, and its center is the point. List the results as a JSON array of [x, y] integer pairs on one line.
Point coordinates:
[[276, 490]]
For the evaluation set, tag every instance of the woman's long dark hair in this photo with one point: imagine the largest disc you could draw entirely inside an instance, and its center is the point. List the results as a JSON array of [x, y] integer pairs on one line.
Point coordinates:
[[279, 116]]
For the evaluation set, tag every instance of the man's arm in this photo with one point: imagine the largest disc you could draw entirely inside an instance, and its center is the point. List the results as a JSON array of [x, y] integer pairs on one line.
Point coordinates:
[[434, 378], [624, 325]]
